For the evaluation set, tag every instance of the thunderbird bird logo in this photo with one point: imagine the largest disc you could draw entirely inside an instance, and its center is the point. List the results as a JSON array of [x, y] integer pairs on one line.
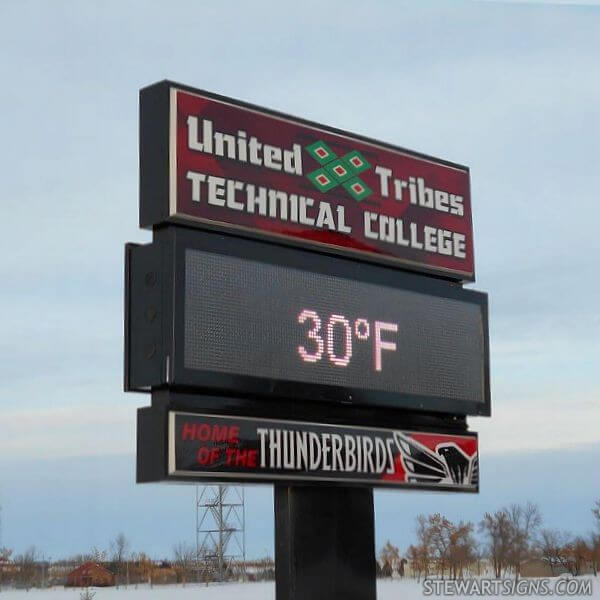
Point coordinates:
[[448, 464]]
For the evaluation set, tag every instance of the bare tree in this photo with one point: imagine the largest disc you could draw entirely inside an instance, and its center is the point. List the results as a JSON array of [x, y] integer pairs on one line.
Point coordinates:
[[567, 554], [595, 551], [478, 555], [462, 550], [596, 513], [525, 522], [27, 565], [511, 535], [497, 529], [595, 540], [424, 546], [97, 555], [439, 535], [184, 559], [119, 547], [401, 568], [141, 569], [389, 557], [583, 554], [550, 545], [418, 560], [447, 545], [5, 554], [561, 549]]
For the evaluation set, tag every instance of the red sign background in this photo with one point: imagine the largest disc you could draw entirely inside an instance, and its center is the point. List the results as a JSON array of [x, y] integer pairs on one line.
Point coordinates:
[[283, 132]]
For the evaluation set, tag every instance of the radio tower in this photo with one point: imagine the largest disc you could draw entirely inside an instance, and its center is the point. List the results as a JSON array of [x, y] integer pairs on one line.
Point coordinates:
[[220, 529]]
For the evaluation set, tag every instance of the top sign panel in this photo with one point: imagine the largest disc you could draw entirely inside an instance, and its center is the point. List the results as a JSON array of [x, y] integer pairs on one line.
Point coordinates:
[[210, 161]]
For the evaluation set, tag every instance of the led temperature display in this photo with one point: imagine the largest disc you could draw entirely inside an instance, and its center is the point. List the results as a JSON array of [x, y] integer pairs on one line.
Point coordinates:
[[252, 318]]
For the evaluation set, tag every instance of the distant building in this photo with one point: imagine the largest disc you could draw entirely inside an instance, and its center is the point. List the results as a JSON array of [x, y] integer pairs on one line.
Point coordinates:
[[90, 574]]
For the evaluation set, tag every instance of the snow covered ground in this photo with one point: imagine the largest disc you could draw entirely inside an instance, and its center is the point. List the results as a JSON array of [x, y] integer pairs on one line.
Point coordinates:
[[231, 591], [386, 590]]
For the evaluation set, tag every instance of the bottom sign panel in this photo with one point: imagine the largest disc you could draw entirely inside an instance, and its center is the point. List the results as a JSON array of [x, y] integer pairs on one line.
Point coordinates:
[[248, 449]]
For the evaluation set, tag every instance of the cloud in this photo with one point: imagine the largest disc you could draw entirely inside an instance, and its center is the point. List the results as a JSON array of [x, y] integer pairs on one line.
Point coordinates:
[[91, 428], [539, 421]]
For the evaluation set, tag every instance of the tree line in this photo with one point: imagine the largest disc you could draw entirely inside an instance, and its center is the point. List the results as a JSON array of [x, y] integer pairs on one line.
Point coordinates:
[[502, 541], [32, 569]]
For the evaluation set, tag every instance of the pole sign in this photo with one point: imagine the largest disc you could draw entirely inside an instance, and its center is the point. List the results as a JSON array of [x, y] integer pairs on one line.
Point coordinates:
[[208, 446], [210, 161], [299, 315], [238, 317]]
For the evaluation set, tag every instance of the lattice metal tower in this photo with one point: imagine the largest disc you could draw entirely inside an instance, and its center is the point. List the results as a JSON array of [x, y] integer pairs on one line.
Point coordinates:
[[220, 529]]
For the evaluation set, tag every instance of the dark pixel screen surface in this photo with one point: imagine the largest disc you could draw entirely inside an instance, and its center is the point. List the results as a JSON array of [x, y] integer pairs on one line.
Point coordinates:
[[245, 317]]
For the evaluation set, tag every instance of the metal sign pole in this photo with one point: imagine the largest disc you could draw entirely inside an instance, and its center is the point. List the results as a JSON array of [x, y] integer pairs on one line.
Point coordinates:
[[324, 543]]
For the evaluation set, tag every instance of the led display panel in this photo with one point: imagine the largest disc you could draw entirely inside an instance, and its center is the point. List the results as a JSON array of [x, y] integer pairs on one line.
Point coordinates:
[[251, 317]]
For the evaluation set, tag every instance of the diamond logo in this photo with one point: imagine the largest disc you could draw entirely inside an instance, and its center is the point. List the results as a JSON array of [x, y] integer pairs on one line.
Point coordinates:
[[336, 170]]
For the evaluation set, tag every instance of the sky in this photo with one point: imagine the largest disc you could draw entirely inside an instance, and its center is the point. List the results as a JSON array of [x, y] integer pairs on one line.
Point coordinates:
[[510, 89]]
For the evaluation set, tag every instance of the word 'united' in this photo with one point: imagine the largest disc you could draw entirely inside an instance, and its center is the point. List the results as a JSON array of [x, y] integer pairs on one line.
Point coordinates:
[[242, 148]]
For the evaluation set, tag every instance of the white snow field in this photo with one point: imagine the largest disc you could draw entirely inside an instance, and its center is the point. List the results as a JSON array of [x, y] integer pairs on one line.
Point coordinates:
[[386, 590]]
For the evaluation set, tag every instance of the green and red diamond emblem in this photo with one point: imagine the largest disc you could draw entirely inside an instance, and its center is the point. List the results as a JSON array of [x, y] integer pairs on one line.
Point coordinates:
[[340, 170], [358, 162], [322, 180], [357, 188], [336, 170], [321, 152]]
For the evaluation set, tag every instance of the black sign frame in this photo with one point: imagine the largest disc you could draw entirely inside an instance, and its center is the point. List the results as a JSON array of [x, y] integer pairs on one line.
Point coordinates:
[[155, 129], [153, 436], [154, 346]]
